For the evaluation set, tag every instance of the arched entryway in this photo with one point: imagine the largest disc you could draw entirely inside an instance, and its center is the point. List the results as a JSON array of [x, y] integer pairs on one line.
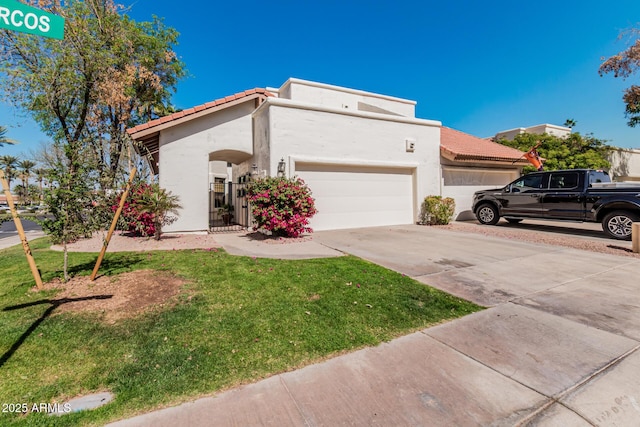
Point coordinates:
[[228, 207]]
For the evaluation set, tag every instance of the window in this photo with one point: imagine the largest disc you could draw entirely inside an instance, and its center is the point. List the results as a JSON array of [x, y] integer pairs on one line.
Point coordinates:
[[527, 183], [596, 177], [218, 192], [563, 181]]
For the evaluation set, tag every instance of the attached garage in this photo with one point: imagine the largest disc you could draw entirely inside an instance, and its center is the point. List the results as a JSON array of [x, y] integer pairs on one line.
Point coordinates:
[[460, 183], [359, 196], [469, 164]]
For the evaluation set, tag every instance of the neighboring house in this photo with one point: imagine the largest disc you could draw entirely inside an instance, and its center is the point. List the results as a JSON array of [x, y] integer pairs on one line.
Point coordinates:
[[4, 201], [555, 130], [625, 164], [366, 157]]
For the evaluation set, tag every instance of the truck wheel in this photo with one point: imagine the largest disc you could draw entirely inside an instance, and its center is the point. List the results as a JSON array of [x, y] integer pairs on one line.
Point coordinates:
[[617, 224], [487, 214]]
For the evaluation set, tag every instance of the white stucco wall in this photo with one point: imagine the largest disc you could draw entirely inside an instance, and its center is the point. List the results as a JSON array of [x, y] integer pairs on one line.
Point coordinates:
[[625, 164], [184, 159], [344, 98], [261, 134], [460, 182], [218, 168], [308, 134], [555, 130]]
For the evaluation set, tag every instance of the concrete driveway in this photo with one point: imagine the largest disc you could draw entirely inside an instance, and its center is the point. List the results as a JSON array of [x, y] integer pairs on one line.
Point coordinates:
[[564, 323], [558, 345], [482, 269]]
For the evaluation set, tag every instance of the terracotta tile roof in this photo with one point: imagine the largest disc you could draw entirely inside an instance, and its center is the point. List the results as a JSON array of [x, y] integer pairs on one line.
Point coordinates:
[[460, 146], [197, 109]]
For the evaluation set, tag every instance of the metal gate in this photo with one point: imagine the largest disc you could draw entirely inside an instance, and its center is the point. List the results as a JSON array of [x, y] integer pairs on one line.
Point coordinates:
[[228, 207]]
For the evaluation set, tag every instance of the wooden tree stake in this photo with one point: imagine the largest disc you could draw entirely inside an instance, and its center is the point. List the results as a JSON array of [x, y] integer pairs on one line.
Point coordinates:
[[113, 224], [23, 237]]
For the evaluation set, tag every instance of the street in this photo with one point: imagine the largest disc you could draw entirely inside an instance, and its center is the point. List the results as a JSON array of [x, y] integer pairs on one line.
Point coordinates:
[[8, 228]]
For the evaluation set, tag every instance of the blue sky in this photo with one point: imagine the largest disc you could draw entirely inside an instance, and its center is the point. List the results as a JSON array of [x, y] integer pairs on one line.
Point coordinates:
[[479, 67]]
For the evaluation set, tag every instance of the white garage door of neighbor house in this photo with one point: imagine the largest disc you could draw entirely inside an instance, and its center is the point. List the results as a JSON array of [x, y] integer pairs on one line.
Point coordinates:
[[460, 184], [358, 196]]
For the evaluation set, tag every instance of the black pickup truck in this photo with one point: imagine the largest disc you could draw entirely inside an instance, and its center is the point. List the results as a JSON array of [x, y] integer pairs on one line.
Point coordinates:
[[577, 195]]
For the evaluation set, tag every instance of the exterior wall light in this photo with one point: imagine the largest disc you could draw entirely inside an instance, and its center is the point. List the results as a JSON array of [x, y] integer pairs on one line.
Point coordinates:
[[281, 167]]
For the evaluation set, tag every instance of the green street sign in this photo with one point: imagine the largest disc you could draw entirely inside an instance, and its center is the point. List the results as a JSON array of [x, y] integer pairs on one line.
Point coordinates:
[[26, 19]]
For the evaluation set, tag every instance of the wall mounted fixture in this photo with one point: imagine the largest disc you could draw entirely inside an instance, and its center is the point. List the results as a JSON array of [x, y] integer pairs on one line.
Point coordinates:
[[281, 167]]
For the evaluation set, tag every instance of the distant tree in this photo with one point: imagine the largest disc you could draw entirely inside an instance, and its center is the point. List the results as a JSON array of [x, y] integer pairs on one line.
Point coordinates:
[[8, 164], [570, 123], [41, 174], [21, 191], [625, 64], [26, 169], [572, 152], [3, 137]]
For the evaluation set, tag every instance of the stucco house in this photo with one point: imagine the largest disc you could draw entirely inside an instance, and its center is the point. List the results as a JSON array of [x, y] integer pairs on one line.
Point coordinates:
[[366, 157], [545, 128], [625, 164], [469, 164]]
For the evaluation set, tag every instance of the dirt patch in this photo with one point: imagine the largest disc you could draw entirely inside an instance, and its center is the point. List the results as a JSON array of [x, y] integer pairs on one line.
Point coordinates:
[[116, 297], [606, 246], [121, 241]]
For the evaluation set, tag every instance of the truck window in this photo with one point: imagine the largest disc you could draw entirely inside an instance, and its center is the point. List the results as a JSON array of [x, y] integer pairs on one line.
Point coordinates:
[[596, 177], [528, 182], [563, 181]]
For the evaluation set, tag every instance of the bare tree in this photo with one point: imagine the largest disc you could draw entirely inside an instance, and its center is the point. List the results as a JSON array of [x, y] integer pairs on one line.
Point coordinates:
[[624, 65]]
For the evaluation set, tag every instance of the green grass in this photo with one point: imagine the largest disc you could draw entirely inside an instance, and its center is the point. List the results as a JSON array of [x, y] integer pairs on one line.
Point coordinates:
[[238, 320]]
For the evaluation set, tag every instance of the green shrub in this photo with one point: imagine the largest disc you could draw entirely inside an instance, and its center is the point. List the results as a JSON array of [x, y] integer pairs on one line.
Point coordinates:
[[437, 211]]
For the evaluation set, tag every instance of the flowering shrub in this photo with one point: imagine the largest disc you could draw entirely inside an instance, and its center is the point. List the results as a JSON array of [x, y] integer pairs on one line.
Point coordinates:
[[137, 221], [281, 205], [437, 211]]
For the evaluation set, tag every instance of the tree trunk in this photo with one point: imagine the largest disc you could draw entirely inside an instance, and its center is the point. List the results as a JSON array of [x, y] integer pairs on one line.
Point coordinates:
[[158, 231], [66, 261]]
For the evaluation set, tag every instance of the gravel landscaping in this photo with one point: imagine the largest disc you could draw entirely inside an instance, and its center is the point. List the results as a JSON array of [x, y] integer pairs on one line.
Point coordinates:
[[576, 239]]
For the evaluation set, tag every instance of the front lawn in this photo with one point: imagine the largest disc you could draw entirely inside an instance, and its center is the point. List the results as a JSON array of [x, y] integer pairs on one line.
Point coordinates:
[[237, 320]]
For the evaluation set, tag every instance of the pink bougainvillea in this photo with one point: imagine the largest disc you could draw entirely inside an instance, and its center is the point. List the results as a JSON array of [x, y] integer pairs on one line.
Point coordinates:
[[281, 205], [137, 221]]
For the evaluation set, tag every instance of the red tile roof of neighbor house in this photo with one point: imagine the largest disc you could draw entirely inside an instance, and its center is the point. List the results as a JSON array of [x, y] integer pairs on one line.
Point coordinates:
[[460, 146], [199, 108]]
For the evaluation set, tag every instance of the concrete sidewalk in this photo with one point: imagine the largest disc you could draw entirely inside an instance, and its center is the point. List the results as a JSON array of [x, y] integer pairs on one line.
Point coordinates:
[[557, 347], [7, 242], [245, 244]]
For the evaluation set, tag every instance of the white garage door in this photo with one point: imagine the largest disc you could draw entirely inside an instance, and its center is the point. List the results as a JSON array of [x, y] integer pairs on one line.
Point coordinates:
[[461, 183], [354, 196]]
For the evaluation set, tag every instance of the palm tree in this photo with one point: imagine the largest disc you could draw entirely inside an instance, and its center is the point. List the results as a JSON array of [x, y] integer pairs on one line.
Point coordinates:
[[159, 203], [8, 164], [3, 137], [26, 169], [21, 191], [41, 174]]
